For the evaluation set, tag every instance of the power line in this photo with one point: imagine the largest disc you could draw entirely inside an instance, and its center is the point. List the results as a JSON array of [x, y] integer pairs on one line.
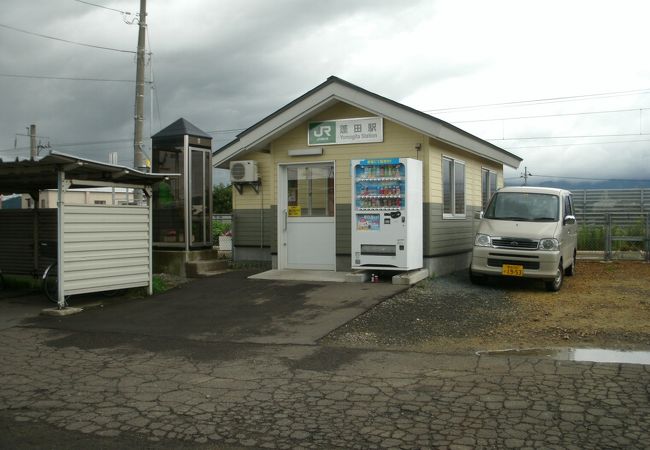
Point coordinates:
[[44, 77], [73, 144], [578, 178], [552, 115], [580, 143], [153, 85], [128, 17], [234, 130], [103, 7], [20, 30], [567, 137], [542, 100]]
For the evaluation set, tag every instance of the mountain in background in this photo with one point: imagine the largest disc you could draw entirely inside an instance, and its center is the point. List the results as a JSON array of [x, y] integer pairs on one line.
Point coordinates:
[[579, 185]]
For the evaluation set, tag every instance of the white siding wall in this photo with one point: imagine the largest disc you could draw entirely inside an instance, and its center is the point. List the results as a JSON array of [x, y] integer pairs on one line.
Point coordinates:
[[105, 247]]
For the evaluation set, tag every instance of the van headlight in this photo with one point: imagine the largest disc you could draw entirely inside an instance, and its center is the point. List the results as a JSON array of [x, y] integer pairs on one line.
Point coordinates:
[[549, 244], [483, 240]]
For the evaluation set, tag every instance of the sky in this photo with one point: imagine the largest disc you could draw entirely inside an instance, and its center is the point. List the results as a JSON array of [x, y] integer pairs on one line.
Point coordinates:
[[565, 85]]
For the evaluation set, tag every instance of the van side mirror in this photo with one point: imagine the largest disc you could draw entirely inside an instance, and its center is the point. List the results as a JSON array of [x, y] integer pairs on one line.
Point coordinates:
[[569, 220], [478, 215]]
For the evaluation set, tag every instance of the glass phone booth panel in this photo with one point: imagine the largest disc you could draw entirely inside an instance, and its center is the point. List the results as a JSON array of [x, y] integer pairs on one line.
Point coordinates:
[[200, 181], [169, 198]]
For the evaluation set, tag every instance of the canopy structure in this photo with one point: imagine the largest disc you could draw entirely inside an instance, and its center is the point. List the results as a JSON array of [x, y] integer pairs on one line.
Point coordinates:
[[99, 247], [36, 174]]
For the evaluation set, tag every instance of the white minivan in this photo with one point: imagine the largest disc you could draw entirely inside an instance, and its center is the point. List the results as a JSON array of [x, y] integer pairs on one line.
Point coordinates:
[[526, 232]]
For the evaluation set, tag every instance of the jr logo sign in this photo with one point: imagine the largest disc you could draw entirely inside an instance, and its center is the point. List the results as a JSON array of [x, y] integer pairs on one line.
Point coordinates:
[[322, 133], [346, 131]]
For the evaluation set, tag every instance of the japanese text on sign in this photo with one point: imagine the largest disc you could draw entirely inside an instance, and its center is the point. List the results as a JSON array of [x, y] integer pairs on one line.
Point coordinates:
[[346, 131]]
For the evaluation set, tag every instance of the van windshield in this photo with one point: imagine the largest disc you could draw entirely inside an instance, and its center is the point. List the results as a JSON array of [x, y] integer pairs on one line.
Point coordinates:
[[524, 206]]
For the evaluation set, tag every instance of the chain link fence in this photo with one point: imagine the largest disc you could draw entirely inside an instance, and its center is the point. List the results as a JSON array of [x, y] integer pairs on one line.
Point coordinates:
[[613, 223], [616, 236]]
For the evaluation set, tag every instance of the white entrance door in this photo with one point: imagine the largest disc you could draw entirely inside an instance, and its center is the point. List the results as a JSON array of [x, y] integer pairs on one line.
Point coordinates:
[[306, 223]]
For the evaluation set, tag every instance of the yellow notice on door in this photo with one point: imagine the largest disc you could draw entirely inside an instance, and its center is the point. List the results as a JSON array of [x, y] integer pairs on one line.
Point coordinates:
[[294, 211]]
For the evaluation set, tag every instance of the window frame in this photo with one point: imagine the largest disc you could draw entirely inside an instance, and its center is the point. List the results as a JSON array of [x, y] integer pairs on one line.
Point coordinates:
[[485, 199], [568, 206], [452, 185]]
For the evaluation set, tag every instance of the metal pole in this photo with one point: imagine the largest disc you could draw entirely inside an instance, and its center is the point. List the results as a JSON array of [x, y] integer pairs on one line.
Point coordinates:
[[608, 237], [647, 238], [33, 152], [59, 241], [138, 150]]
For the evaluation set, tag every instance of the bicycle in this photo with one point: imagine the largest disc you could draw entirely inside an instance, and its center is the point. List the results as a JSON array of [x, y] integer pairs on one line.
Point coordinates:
[[50, 278]]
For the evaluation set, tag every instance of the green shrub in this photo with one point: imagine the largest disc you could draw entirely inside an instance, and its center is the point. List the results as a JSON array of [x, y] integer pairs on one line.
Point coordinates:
[[219, 229], [158, 284]]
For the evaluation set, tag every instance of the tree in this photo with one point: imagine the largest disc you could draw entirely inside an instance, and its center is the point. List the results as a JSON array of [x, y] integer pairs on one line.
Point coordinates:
[[222, 199]]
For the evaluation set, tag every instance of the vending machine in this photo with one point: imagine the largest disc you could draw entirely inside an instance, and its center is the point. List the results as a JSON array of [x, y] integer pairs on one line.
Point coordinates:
[[387, 214]]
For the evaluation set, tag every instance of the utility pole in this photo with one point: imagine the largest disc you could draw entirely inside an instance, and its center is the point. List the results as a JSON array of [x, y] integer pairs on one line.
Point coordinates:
[[525, 176], [33, 152], [138, 150]]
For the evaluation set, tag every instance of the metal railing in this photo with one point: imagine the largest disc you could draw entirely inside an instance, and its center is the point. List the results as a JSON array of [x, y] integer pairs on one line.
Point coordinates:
[[616, 236]]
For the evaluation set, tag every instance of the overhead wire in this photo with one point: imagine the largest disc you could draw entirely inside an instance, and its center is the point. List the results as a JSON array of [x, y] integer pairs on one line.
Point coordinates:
[[571, 144], [542, 100], [542, 116], [578, 178], [567, 137], [153, 85], [44, 77], [103, 7], [67, 41]]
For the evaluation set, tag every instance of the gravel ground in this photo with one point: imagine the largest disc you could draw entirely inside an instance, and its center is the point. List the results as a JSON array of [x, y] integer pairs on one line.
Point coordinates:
[[605, 305], [448, 307]]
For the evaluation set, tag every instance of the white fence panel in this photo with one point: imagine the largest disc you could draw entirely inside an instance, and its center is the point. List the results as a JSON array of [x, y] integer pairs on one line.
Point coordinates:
[[105, 248]]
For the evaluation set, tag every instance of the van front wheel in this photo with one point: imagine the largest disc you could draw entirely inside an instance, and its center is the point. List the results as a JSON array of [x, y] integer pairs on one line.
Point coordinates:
[[556, 283]]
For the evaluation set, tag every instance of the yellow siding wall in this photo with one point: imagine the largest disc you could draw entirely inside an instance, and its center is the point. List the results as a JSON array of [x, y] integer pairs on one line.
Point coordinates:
[[473, 166], [266, 171], [399, 142]]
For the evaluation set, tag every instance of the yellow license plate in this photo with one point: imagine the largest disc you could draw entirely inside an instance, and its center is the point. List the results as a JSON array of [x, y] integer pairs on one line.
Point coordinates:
[[512, 270]]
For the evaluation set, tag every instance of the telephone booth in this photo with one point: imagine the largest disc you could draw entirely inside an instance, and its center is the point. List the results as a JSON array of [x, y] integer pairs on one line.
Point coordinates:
[[182, 205]]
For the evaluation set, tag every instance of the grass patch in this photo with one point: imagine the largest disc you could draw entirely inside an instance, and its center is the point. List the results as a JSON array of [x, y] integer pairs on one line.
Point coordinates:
[[159, 285], [21, 282]]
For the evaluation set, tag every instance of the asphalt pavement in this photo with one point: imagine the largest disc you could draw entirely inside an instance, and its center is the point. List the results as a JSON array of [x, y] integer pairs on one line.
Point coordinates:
[[228, 362]]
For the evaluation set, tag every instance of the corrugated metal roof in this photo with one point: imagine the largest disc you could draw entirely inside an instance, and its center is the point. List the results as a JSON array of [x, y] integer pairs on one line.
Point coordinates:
[[36, 174]]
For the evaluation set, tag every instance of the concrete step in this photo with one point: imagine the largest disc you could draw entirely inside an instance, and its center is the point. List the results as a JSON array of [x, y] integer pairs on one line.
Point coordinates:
[[203, 255], [202, 268]]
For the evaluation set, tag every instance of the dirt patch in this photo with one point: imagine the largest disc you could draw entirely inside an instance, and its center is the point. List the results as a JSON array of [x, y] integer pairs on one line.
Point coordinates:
[[605, 305]]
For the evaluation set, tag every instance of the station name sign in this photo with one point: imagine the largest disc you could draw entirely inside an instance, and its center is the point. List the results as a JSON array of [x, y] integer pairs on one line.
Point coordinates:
[[346, 131]]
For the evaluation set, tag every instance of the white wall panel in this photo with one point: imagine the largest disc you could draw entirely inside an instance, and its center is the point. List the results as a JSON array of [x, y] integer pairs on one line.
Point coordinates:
[[105, 247]]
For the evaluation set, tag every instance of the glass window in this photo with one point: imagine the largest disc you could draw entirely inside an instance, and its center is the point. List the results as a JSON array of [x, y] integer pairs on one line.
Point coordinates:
[[168, 200], [568, 206], [453, 188], [524, 206], [311, 190], [488, 186]]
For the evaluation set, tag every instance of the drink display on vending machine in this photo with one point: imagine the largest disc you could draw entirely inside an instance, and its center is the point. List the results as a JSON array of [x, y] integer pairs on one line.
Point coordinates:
[[387, 214]]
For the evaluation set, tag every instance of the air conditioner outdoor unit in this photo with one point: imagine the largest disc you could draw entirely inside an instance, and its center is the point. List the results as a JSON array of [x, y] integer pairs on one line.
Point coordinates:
[[243, 171]]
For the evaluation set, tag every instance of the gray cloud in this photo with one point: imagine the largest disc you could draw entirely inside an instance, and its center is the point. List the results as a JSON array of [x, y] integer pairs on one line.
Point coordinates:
[[225, 65]]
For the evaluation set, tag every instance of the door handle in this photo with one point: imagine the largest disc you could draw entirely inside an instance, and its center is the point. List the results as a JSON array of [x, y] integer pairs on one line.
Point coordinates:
[[286, 219]]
